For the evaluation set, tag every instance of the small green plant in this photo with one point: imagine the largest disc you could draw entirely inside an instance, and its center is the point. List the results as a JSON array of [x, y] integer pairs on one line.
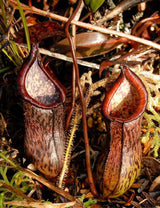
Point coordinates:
[[89, 202], [94, 4], [14, 184], [25, 25]]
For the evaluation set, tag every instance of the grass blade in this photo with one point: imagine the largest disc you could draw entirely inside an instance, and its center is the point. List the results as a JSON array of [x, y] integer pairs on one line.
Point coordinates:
[[25, 25], [3, 12], [15, 52], [4, 69], [6, 53]]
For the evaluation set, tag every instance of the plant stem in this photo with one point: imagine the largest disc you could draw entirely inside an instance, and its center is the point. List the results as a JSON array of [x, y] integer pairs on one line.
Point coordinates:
[[83, 104]]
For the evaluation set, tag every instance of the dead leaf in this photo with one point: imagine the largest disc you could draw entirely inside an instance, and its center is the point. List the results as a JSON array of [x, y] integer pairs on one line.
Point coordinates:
[[40, 31], [152, 164], [155, 184], [90, 44]]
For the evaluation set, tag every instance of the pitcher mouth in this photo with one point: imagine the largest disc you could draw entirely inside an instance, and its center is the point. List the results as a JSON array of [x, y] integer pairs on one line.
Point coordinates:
[[38, 84], [127, 99]]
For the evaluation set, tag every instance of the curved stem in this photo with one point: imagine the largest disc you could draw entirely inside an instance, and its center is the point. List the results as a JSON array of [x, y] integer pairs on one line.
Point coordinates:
[[76, 17], [85, 132]]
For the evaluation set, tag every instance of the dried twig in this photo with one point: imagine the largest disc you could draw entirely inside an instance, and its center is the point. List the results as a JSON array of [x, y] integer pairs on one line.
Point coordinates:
[[65, 58], [48, 184], [42, 180], [17, 192], [122, 6], [85, 25], [39, 204]]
